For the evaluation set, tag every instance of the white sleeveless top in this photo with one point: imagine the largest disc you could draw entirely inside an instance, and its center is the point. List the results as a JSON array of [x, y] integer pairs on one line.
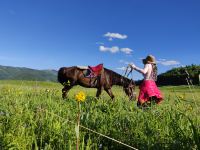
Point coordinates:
[[148, 74]]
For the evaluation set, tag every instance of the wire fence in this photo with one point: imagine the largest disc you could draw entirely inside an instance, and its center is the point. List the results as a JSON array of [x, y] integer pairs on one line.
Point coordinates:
[[100, 134]]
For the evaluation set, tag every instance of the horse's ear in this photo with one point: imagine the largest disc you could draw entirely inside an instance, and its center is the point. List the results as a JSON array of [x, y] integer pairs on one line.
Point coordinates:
[[132, 81]]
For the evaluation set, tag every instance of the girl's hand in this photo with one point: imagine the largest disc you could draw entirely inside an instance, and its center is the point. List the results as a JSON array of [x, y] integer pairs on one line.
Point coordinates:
[[132, 66]]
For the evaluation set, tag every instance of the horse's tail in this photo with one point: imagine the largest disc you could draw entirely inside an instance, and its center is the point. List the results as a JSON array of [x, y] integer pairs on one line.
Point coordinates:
[[61, 76]]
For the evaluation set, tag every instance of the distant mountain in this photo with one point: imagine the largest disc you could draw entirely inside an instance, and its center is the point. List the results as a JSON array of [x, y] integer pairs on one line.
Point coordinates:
[[22, 73]]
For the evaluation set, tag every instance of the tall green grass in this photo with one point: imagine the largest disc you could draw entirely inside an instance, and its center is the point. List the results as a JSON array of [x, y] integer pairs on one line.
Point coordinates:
[[34, 116]]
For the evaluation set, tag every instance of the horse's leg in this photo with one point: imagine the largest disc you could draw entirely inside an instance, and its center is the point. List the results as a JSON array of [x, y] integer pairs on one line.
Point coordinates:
[[99, 90], [65, 90], [109, 91]]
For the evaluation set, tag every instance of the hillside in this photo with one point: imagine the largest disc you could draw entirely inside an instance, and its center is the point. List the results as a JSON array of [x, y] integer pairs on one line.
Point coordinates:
[[21, 73], [177, 76]]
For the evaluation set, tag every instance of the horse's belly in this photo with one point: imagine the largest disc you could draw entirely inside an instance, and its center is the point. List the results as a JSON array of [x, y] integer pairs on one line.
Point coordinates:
[[88, 82]]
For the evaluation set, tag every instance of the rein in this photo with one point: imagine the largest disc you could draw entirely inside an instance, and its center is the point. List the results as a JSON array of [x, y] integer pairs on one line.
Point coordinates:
[[127, 71], [126, 74]]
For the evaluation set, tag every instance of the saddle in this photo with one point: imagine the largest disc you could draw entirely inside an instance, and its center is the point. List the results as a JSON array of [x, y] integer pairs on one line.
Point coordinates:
[[94, 72]]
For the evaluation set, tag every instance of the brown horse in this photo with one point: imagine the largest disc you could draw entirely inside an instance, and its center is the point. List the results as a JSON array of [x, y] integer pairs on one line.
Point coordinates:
[[71, 76]]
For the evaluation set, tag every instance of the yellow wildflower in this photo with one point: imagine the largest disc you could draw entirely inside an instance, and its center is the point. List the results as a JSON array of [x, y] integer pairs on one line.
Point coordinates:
[[67, 83], [80, 97], [47, 90], [181, 97], [190, 108]]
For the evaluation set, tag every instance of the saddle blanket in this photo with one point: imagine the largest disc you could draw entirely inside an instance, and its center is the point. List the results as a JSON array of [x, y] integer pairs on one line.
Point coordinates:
[[82, 67]]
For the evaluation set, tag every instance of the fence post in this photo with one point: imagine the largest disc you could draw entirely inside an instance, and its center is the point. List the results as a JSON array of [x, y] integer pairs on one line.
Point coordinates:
[[199, 79]]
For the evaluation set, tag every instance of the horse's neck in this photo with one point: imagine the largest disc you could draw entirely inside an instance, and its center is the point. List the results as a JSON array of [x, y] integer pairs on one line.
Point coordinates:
[[118, 80], [115, 78]]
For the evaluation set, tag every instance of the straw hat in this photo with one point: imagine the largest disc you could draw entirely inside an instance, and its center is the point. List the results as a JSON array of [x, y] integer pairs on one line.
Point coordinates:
[[149, 59]]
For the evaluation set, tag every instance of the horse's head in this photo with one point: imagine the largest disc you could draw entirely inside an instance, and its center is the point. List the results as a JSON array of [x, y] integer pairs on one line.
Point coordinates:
[[129, 88]]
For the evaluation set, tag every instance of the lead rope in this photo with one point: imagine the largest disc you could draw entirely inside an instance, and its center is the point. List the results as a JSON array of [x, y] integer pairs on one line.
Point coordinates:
[[127, 71]]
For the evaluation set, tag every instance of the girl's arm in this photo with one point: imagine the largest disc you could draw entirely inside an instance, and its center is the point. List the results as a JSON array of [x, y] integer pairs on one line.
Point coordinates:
[[143, 71]]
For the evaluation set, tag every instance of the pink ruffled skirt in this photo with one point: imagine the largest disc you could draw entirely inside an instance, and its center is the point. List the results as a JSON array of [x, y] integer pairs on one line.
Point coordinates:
[[148, 89]]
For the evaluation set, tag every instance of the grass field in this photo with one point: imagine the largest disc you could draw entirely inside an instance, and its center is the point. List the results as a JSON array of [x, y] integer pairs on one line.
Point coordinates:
[[34, 116]]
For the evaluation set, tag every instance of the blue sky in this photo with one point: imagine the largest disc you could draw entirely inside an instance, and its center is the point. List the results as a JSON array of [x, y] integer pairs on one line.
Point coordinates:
[[49, 34]]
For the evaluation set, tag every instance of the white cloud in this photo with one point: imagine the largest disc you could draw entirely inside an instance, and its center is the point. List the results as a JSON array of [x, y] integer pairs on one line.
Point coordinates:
[[126, 50], [113, 49], [111, 36], [125, 62], [123, 68], [99, 43], [162, 59], [168, 62]]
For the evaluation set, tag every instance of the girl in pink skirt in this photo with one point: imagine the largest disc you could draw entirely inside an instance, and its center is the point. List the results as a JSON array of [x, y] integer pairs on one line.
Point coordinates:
[[148, 89]]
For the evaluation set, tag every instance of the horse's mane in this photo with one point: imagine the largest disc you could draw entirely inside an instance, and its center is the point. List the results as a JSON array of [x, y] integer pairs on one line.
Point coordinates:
[[113, 73], [116, 77]]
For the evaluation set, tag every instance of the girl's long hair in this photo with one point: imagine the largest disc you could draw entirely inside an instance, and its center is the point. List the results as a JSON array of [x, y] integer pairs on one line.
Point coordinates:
[[154, 72]]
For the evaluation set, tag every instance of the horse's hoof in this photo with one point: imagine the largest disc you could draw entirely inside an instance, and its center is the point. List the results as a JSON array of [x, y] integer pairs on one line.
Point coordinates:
[[64, 97]]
